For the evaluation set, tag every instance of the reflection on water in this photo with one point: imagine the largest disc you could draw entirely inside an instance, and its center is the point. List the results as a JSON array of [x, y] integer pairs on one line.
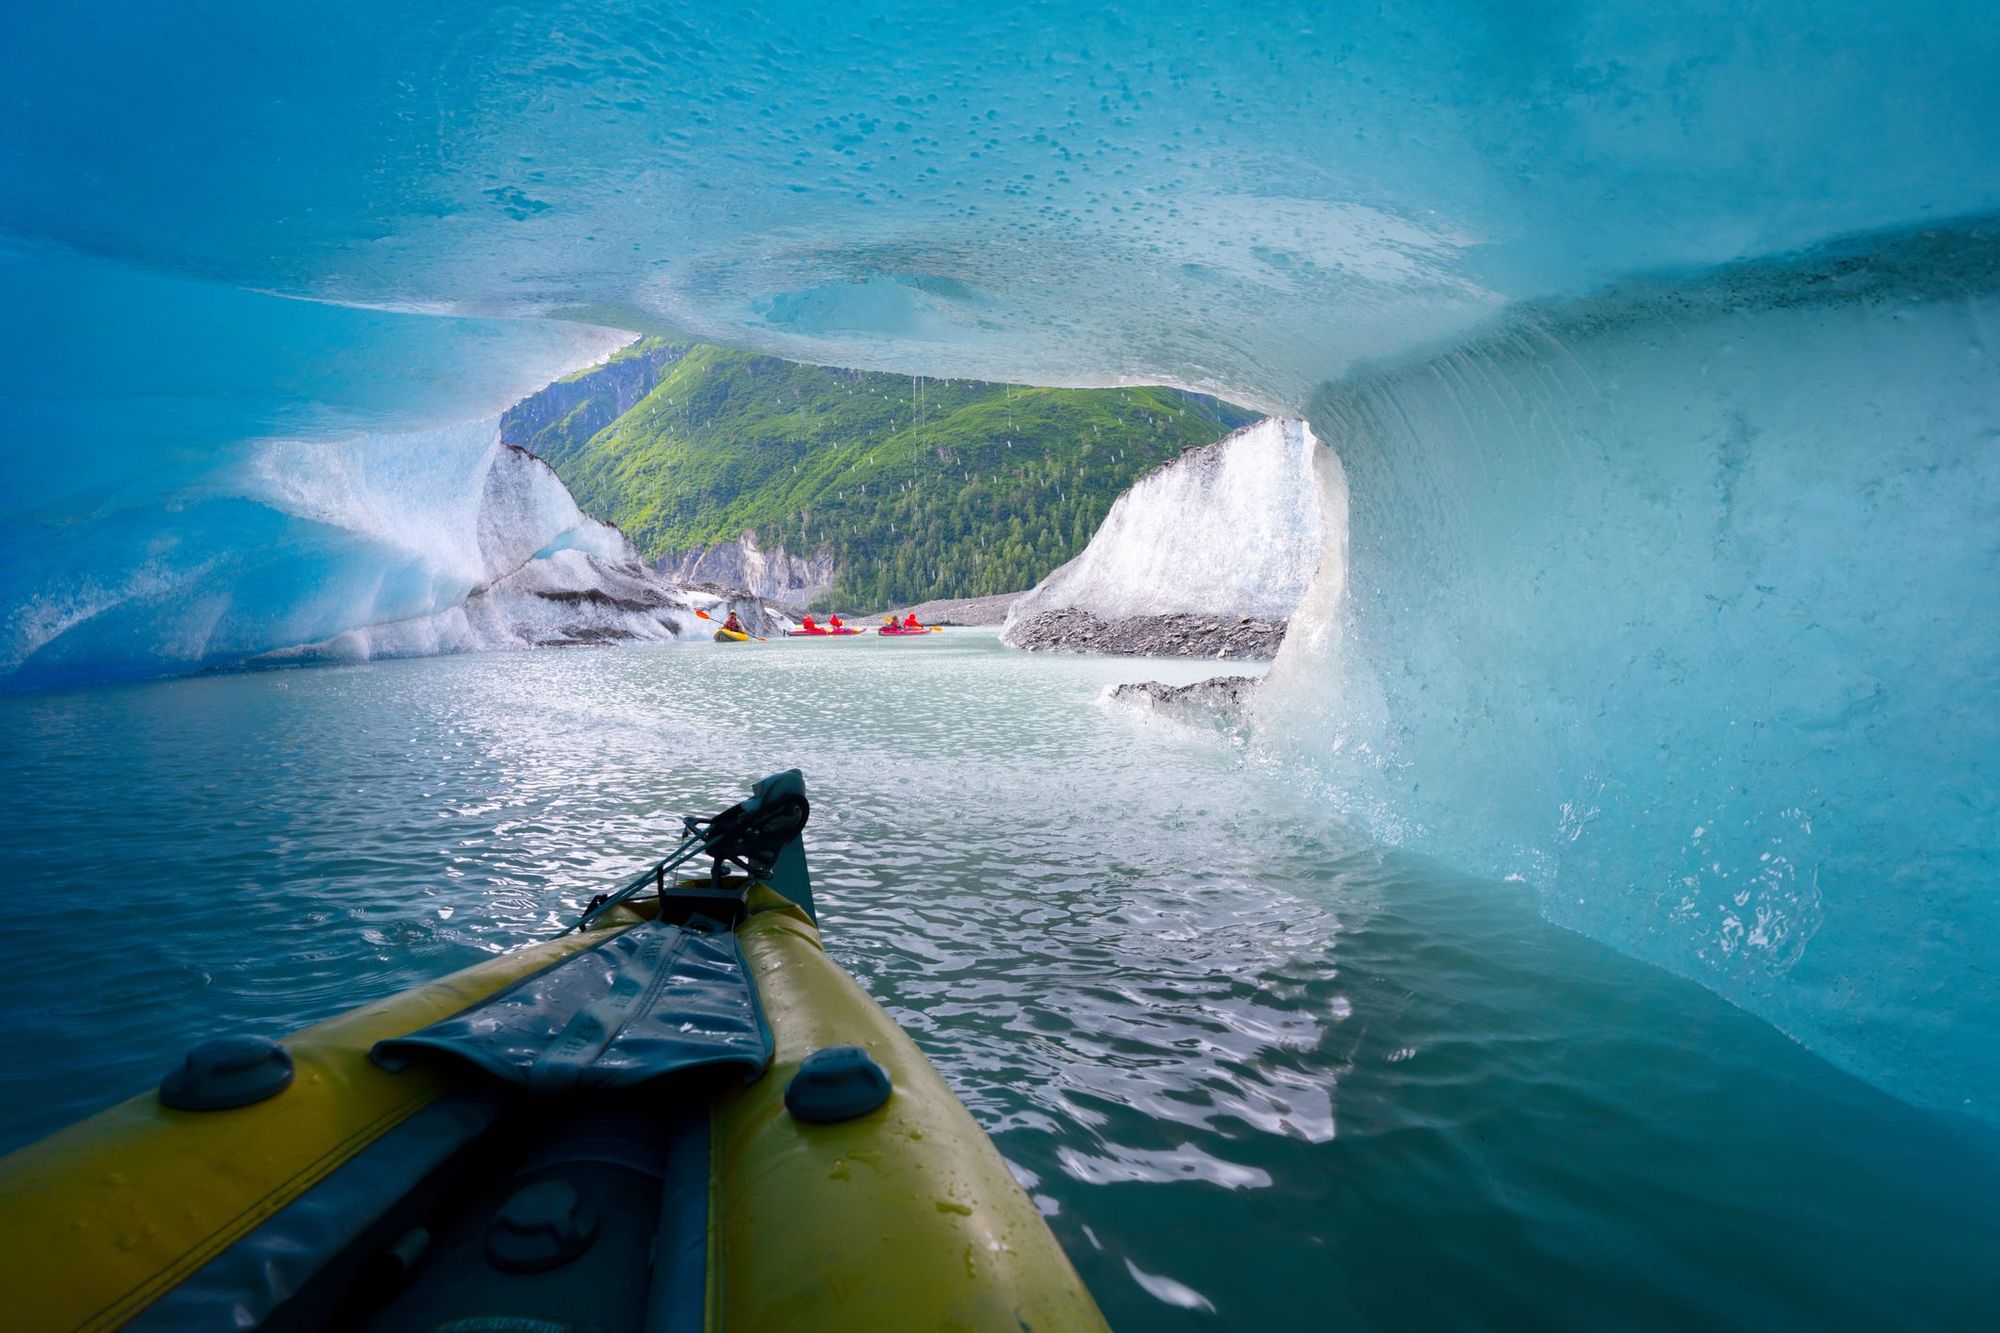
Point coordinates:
[[1257, 1072]]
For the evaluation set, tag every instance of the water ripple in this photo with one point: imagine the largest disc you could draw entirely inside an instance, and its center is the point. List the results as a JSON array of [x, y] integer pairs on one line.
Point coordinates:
[[1256, 1072]]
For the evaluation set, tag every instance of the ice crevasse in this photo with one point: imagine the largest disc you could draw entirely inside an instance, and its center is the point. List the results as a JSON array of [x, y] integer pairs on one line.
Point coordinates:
[[1656, 345]]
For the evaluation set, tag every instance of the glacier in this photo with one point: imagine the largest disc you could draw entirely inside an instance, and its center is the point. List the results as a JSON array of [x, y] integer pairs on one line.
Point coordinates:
[[1656, 344], [197, 475], [1240, 198], [511, 565], [1681, 603], [1236, 526]]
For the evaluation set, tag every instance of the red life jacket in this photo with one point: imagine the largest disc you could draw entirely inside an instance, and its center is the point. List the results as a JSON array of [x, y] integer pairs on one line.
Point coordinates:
[[910, 622], [807, 623]]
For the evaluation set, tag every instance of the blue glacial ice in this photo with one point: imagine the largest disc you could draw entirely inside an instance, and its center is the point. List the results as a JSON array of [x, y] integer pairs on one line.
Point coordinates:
[[199, 474], [1657, 343], [1242, 197], [1680, 603]]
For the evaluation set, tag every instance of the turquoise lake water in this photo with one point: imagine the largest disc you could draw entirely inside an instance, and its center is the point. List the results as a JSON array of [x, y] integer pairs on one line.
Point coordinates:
[[1258, 1072]]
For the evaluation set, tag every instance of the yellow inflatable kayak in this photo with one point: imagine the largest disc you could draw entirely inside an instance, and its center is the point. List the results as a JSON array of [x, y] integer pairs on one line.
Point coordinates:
[[679, 1116], [730, 636]]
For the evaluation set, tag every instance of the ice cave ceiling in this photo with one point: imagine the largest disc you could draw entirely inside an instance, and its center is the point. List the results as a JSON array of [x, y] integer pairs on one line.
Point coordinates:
[[1246, 197]]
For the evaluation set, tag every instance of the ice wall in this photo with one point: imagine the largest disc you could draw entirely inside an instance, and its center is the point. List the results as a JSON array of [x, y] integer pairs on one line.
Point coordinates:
[[298, 541], [1246, 198], [505, 562], [194, 474], [1235, 526], [1682, 603]]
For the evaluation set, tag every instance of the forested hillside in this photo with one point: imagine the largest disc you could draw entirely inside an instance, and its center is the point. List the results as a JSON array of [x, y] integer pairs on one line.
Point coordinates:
[[921, 488]]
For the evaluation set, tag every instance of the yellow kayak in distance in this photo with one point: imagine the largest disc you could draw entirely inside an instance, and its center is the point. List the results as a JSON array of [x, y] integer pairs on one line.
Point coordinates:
[[678, 1115], [730, 636]]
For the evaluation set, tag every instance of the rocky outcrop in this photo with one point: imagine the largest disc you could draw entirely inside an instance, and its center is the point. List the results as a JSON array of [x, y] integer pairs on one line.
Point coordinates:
[[963, 610], [1074, 631], [775, 575], [557, 421]]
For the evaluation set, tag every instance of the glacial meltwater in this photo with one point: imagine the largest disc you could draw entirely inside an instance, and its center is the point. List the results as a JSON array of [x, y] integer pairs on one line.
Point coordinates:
[[1255, 1070]]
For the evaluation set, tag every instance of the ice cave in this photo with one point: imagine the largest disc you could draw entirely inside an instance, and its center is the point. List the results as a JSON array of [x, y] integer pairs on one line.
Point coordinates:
[[1652, 357]]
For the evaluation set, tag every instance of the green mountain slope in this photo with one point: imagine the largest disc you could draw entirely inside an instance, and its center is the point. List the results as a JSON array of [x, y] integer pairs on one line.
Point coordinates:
[[560, 419], [921, 488]]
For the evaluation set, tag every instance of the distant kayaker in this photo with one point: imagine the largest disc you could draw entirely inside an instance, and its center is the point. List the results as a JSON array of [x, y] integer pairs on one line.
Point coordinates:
[[832, 621], [911, 622], [733, 625], [808, 626]]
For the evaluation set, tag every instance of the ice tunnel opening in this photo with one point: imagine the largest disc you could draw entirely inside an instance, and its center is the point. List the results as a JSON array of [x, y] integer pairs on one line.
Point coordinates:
[[1674, 602]]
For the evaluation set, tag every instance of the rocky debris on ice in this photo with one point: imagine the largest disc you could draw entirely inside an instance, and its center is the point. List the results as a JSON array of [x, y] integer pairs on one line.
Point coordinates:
[[572, 598], [963, 610], [760, 615], [1178, 635]]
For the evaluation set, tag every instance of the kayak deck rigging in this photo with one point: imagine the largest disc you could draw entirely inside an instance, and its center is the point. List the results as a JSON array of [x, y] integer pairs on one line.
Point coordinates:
[[650, 1122]]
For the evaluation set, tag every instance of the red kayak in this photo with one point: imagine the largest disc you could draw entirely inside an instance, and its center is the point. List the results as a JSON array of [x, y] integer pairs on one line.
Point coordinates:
[[818, 633], [898, 629]]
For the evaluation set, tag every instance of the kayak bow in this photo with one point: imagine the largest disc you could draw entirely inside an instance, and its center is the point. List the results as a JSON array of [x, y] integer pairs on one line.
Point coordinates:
[[678, 1115]]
